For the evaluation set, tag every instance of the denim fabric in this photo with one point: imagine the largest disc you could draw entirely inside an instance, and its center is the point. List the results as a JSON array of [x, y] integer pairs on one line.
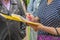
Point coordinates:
[[32, 7], [33, 34]]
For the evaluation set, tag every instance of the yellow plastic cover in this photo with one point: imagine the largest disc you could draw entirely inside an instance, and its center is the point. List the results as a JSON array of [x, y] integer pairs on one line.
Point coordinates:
[[16, 17]]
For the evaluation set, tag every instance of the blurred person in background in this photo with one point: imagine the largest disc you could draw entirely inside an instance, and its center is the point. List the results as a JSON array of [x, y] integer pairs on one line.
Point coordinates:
[[49, 25], [32, 7], [11, 30]]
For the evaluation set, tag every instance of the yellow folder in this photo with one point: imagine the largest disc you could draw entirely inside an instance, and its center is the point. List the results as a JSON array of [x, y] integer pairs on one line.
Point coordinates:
[[16, 17]]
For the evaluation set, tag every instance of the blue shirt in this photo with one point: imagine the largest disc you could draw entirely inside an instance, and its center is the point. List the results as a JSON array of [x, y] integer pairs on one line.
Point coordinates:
[[33, 5], [49, 14], [30, 6]]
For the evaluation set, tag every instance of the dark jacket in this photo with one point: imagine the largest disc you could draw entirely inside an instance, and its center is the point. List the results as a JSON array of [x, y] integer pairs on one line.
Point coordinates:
[[12, 30]]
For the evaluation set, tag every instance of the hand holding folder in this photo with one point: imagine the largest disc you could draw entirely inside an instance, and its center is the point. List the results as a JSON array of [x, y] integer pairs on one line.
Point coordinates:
[[19, 18]]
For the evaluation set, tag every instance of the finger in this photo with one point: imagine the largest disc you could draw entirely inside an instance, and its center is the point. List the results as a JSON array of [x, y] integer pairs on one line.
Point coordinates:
[[30, 17]]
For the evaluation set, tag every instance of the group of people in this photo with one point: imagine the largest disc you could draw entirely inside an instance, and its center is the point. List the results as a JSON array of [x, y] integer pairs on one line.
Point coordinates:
[[45, 13]]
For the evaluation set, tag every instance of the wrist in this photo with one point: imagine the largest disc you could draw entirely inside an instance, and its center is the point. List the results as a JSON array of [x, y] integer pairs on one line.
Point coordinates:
[[40, 27]]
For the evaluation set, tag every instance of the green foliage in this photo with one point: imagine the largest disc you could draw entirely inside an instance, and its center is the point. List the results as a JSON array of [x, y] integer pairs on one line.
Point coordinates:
[[27, 1]]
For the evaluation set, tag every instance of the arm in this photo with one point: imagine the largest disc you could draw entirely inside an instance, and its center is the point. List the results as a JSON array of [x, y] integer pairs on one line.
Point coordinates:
[[50, 30], [39, 26]]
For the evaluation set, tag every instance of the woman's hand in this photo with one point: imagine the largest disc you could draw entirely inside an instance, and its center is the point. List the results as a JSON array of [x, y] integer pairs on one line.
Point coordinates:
[[36, 27], [30, 17]]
